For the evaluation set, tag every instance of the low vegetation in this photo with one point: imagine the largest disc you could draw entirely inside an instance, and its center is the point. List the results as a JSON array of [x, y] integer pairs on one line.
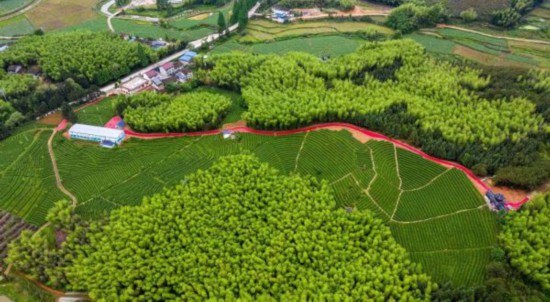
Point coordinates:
[[152, 112]]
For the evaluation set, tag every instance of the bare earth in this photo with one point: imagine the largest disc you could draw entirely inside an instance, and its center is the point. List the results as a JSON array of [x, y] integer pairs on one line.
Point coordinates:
[[53, 119]]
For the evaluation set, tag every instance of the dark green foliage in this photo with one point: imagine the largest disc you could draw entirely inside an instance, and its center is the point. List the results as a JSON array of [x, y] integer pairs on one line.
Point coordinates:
[[68, 113], [341, 4], [121, 3], [240, 230], [409, 17], [221, 22], [527, 178], [507, 18]]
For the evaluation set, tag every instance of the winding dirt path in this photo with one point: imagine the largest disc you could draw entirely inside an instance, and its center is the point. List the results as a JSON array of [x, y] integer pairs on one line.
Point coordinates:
[[352, 128], [58, 180]]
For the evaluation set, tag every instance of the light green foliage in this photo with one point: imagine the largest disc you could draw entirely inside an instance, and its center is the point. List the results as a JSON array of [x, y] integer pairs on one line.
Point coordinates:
[[152, 112], [104, 180], [15, 85], [411, 16], [526, 239], [99, 57], [241, 230], [538, 79], [297, 89], [60, 215], [469, 15], [6, 110]]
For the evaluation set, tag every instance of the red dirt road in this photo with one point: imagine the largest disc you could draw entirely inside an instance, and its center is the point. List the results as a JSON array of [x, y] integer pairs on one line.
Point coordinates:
[[477, 182]]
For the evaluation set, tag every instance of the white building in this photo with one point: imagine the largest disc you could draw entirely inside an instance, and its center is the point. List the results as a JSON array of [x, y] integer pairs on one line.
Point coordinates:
[[106, 136], [134, 85]]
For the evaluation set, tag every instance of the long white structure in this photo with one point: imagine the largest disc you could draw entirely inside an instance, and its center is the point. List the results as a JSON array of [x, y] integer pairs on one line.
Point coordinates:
[[96, 134]]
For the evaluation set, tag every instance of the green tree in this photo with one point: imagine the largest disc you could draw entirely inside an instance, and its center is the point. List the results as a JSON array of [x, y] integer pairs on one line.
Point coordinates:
[[507, 18], [243, 15], [143, 58], [68, 113], [469, 15], [221, 22]]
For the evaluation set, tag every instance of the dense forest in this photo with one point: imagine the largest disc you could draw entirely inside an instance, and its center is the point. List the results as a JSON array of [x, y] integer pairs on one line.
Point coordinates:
[[239, 230], [153, 112], [392, 87], [60, 68], [86, 57]]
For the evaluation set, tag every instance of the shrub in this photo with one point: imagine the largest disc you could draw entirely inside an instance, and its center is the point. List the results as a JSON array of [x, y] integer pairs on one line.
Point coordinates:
[[507, 18], [528, 178], [469, 15]]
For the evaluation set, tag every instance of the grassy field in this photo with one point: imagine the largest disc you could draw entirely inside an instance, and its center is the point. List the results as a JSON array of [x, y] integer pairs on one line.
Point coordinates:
[[56, 14], [319, 45], [263, 30], [484, 50], [21, 290], [8, 6], [16, 26], [27, 183], [97, 24]]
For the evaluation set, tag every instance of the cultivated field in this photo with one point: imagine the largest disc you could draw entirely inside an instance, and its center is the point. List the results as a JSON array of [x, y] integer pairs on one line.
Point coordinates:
[[262, 30], [8, 6], [318, 45], [27, 183], [150, 30], [56, 14], [483, 49], [434, 212], [16, 26]]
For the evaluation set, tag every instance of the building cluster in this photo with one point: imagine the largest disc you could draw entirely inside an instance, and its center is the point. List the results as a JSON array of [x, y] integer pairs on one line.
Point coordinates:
[[157, 78], [34, 70], [154, 44]]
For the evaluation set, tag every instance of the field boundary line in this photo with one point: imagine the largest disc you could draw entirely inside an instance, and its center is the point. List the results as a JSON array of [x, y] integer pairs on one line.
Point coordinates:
[[440, 216], [400, 182], [455, 250], [58, 180], [341, 178], [300, 152], [429, 182], [369, 196]]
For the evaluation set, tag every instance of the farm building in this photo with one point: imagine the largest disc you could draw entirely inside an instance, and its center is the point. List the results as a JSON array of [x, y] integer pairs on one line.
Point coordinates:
[[134, 85], [106, 136]]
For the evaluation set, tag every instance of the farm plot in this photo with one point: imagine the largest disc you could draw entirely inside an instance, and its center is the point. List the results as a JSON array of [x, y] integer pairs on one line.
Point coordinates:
[[57, 14], [262, 30], [16, 26], [98, 114], [9, 6], [332, 46], [483, 49], [10, 228], [27, 183], [442, 217]]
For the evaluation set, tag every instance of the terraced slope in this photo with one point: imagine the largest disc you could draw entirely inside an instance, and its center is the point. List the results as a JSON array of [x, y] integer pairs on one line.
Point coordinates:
[[435, 212]]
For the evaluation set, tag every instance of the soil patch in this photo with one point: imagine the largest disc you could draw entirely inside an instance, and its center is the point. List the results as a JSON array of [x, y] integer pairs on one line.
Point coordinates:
[[511, 195], [234, 125], [200, 17], [362, 137], [52, 119]]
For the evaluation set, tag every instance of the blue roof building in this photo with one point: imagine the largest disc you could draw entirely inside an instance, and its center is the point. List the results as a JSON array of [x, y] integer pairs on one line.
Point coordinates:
[[188, 56]]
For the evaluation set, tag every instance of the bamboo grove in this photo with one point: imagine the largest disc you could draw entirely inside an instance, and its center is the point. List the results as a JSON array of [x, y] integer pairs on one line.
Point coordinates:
[[152, 112], [240, 230], [393, 87], [526, 237]]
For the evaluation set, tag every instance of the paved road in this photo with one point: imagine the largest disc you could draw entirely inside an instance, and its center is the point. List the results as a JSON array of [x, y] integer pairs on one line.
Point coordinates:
[[194, 44]]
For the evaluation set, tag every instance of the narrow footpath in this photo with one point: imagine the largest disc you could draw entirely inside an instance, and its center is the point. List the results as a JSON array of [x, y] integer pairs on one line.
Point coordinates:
[[58, 180]]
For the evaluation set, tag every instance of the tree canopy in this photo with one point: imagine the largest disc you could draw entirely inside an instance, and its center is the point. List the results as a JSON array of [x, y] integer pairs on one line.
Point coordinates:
[[98, 57], [241, 230], [526, 239], [152, 112]]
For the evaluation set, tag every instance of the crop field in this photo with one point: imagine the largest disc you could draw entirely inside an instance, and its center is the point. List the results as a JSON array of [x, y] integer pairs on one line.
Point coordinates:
[[318, 45], [209, 18], [97, 114], [97, 24], [16, 26], [435, 212], [149, 30], [262, 30], [482, 49], [56, 14], [27, 183], [9, 6]]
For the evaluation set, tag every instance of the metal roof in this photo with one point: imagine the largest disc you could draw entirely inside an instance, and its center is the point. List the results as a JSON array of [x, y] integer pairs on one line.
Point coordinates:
[[97, 131]]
